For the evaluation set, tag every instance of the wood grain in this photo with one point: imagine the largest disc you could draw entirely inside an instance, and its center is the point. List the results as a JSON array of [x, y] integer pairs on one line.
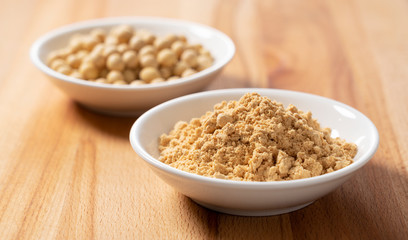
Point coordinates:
[[68, 173]]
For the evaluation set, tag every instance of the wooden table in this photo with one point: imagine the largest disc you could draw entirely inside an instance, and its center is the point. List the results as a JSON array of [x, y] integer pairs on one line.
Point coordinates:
[[68, 173]]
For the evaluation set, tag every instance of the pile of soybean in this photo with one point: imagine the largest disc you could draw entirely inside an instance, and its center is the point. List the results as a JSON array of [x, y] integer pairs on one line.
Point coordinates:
[[126, 56]]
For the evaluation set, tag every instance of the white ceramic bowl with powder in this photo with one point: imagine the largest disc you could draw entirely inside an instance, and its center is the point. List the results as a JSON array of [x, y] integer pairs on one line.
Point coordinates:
[[253, 198], [126, 99]]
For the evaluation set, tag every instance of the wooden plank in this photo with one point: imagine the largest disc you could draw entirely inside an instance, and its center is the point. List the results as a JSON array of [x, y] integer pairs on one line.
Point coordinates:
[[69, 173]]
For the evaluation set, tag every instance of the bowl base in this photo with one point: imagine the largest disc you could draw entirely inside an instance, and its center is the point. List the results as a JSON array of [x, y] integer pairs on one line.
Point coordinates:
[[253, 213]]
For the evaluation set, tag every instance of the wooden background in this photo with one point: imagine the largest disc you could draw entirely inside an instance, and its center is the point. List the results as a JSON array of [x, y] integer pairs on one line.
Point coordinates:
[[67, 173]]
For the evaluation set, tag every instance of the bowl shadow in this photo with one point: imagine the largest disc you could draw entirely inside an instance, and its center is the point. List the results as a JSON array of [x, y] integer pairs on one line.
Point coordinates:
[[359, 209], [117, 126]]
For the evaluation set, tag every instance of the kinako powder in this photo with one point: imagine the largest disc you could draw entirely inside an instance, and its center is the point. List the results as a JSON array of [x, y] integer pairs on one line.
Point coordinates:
[[255, 139]]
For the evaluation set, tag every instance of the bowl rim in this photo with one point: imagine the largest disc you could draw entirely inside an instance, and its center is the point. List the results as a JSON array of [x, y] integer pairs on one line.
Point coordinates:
[[363, 159], [100, 22]]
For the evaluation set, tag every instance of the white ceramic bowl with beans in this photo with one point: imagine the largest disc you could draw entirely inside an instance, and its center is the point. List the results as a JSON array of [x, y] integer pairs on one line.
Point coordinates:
[[127, 99], [253, 198]]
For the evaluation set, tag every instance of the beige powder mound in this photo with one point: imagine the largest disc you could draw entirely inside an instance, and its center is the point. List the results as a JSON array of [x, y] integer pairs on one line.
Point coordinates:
[[255, 139]]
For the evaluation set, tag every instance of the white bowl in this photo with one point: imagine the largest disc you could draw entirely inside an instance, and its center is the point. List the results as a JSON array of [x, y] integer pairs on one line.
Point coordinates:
[[253, 198], [132, 100]]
